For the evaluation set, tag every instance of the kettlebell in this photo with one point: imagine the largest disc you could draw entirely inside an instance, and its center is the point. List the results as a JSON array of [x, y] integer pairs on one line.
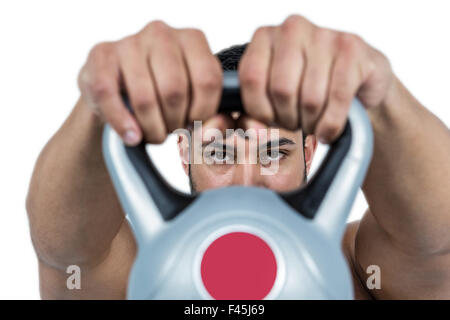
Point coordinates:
[[241, 242]]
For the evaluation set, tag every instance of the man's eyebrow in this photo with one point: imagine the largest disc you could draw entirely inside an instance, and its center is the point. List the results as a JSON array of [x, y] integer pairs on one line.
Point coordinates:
[[278, 143], [214, 144], [267, 145]]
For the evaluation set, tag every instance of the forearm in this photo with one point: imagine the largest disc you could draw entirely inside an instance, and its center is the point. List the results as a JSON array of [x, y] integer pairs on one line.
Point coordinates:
[[72, 207], [409, 177]]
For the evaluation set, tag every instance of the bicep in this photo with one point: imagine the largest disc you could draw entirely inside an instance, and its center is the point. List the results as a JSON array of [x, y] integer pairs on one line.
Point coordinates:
[[106, 280], [404, 274]]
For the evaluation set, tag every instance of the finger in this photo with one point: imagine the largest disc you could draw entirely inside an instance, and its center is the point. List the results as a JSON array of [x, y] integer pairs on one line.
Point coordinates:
[[219, 121], [99, 83], [254, 74], [170, 76], [316, 78], [286, 70], [345, 81], [140, 90], [205, 74], [246, 122]]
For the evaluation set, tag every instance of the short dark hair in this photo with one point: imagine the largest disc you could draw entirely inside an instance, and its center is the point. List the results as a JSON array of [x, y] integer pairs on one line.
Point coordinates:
[[230, 57]]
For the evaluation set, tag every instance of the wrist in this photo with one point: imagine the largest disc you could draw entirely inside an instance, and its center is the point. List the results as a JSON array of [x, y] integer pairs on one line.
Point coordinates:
[[394, 107], [88, 115], [393, 96]]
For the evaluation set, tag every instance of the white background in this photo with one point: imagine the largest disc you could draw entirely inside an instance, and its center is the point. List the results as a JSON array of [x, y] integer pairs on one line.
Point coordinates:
[[44, 44]]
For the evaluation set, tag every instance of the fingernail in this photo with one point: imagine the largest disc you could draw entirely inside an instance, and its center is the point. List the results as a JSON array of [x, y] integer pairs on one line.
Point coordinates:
[[130, 137]]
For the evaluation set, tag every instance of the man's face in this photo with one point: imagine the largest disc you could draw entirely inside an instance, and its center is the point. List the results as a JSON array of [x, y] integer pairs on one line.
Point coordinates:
[[268, 157]]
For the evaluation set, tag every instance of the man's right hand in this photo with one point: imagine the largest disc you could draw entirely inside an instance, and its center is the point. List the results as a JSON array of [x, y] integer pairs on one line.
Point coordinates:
[[170, 76]]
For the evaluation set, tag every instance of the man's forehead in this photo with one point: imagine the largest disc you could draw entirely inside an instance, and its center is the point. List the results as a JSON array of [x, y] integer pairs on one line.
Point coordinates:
[[224, 129], [263, 136], [244, 128]]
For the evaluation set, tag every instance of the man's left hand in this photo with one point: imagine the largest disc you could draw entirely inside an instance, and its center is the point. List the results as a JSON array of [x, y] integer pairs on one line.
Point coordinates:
[[299, 75]]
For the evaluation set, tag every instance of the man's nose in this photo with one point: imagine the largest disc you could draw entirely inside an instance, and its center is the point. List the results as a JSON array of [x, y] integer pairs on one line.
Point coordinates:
[[247, 174], [246, 168]]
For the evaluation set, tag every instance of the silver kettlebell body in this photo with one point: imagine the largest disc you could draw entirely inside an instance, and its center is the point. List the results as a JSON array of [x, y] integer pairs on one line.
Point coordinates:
[[310, 263]]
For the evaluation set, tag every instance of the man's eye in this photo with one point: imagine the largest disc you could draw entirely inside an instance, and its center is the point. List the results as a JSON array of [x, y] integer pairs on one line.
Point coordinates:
[[271, 155], [219, 156]]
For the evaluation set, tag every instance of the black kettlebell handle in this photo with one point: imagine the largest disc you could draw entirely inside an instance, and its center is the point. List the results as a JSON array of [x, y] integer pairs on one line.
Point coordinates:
[[305, 200]]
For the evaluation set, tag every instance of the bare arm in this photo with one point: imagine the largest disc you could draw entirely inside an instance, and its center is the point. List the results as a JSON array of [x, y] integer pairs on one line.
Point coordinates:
[[300, 73], [406, 229], [105, 280], [72, 207], [75, 216]]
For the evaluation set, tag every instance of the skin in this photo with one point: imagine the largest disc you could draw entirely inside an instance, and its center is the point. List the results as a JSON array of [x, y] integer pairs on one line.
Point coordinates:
[[284, 168], [295, 74]]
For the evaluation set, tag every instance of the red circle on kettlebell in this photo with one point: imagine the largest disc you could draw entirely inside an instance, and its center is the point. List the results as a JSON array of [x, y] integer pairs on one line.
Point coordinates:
[[238, 266]]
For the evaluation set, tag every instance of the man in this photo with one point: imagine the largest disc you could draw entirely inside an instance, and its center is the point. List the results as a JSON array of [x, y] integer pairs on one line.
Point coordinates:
[[297, 75]]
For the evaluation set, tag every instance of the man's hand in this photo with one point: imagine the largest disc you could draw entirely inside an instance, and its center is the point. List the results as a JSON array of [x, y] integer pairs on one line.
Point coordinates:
[[170, 76], [300, 75]]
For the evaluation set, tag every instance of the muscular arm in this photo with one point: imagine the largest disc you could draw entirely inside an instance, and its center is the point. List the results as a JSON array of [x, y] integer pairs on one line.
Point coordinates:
[[406, 228], [75, 216], [73, 211]]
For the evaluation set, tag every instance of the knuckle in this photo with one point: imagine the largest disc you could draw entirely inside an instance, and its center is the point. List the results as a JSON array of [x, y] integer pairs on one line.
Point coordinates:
[[128, 43], [143, 103], [340, 94], [173, 98], [193, 33], [142, 107], [312, 102], [310, 107], [349, 42], [292, 23], [173, 94], [156, 26], [281, 92], [380, 59], [210, 81], [157, 30], [294, 20], [341, 86], [100, 88], [323, 35], [263, 31], [100, 49], [251, 77]]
